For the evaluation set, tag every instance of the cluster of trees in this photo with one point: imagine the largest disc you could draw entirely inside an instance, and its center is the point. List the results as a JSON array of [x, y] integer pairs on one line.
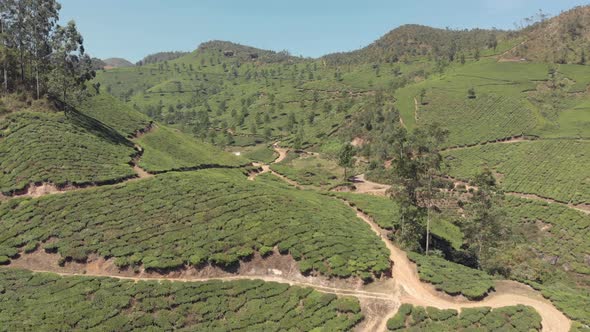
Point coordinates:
[[37, 54], [416, 164], [417, 161]]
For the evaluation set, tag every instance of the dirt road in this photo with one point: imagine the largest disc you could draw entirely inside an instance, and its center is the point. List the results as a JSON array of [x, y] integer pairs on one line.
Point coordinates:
[[414, 291], [410, 289]]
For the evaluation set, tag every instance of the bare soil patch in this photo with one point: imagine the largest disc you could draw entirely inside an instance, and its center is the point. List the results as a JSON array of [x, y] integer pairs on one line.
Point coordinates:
[[364, 186]]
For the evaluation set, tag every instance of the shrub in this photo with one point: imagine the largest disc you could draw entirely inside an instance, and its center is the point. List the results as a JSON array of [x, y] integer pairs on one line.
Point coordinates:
[[440, 315], [4, 260], [265, 251], [347, 304], [396, 322], [31, 247]]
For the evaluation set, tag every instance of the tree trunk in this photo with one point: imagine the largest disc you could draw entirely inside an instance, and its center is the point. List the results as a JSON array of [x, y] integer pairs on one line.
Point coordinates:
[[22, 64], [37, 80], [4, 63], [428, 214]]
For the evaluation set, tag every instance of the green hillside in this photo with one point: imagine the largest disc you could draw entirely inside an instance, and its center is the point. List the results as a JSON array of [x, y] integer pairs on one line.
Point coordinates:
[[453, 159], [550, 168], [60, 148], [192, 218]]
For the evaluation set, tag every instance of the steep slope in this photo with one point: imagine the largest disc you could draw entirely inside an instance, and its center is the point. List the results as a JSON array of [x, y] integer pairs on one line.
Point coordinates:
[[411, 41], [561, 39], [46, 145], [91, 146]]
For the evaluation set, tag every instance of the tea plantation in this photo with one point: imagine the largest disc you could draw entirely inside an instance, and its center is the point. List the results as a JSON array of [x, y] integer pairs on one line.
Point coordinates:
[[452, 278], [550, 168], [550, 253], [515, 318], [499, 108], [115, 114], [560, 233], [47, 302], [191, 218], [61, 149]]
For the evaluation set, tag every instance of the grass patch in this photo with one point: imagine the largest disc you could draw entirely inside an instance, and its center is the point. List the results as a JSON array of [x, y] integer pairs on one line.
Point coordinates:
[[168, 149], [383, 210], [259, 153], [310, 170]]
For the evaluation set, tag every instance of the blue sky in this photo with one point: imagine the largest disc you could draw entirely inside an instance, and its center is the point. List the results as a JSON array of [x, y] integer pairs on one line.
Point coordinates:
[[134, 28]]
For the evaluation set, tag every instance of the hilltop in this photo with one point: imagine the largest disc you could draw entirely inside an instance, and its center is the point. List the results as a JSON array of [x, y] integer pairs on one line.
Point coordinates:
[[562, 39], [117, 63], [414, 41], [160, 57], [245, 53]]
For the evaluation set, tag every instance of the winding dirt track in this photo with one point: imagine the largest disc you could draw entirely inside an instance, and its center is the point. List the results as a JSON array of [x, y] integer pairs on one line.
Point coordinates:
[[410, 289], [319, 288], [413, 291]]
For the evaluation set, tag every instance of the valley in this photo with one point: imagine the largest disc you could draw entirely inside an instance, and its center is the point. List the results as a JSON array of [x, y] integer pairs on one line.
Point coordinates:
[[433, 180]]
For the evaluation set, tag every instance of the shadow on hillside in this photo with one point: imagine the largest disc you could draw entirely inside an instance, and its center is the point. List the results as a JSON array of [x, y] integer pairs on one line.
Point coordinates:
[[92, 125]]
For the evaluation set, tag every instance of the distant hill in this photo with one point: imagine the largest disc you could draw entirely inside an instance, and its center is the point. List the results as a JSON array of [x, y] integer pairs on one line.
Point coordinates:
[[97, 63], [117, 63], [160, 57], [246, 53], [413, 40], [562, 39]]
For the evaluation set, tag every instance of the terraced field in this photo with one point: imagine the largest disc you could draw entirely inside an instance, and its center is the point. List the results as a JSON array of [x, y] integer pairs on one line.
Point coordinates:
[[60, 149], [453, 278], [561, 232], [514, 318], [49, 302], [503, 116], [188, 219], [499, 108], [555, 169], [115, 114]]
